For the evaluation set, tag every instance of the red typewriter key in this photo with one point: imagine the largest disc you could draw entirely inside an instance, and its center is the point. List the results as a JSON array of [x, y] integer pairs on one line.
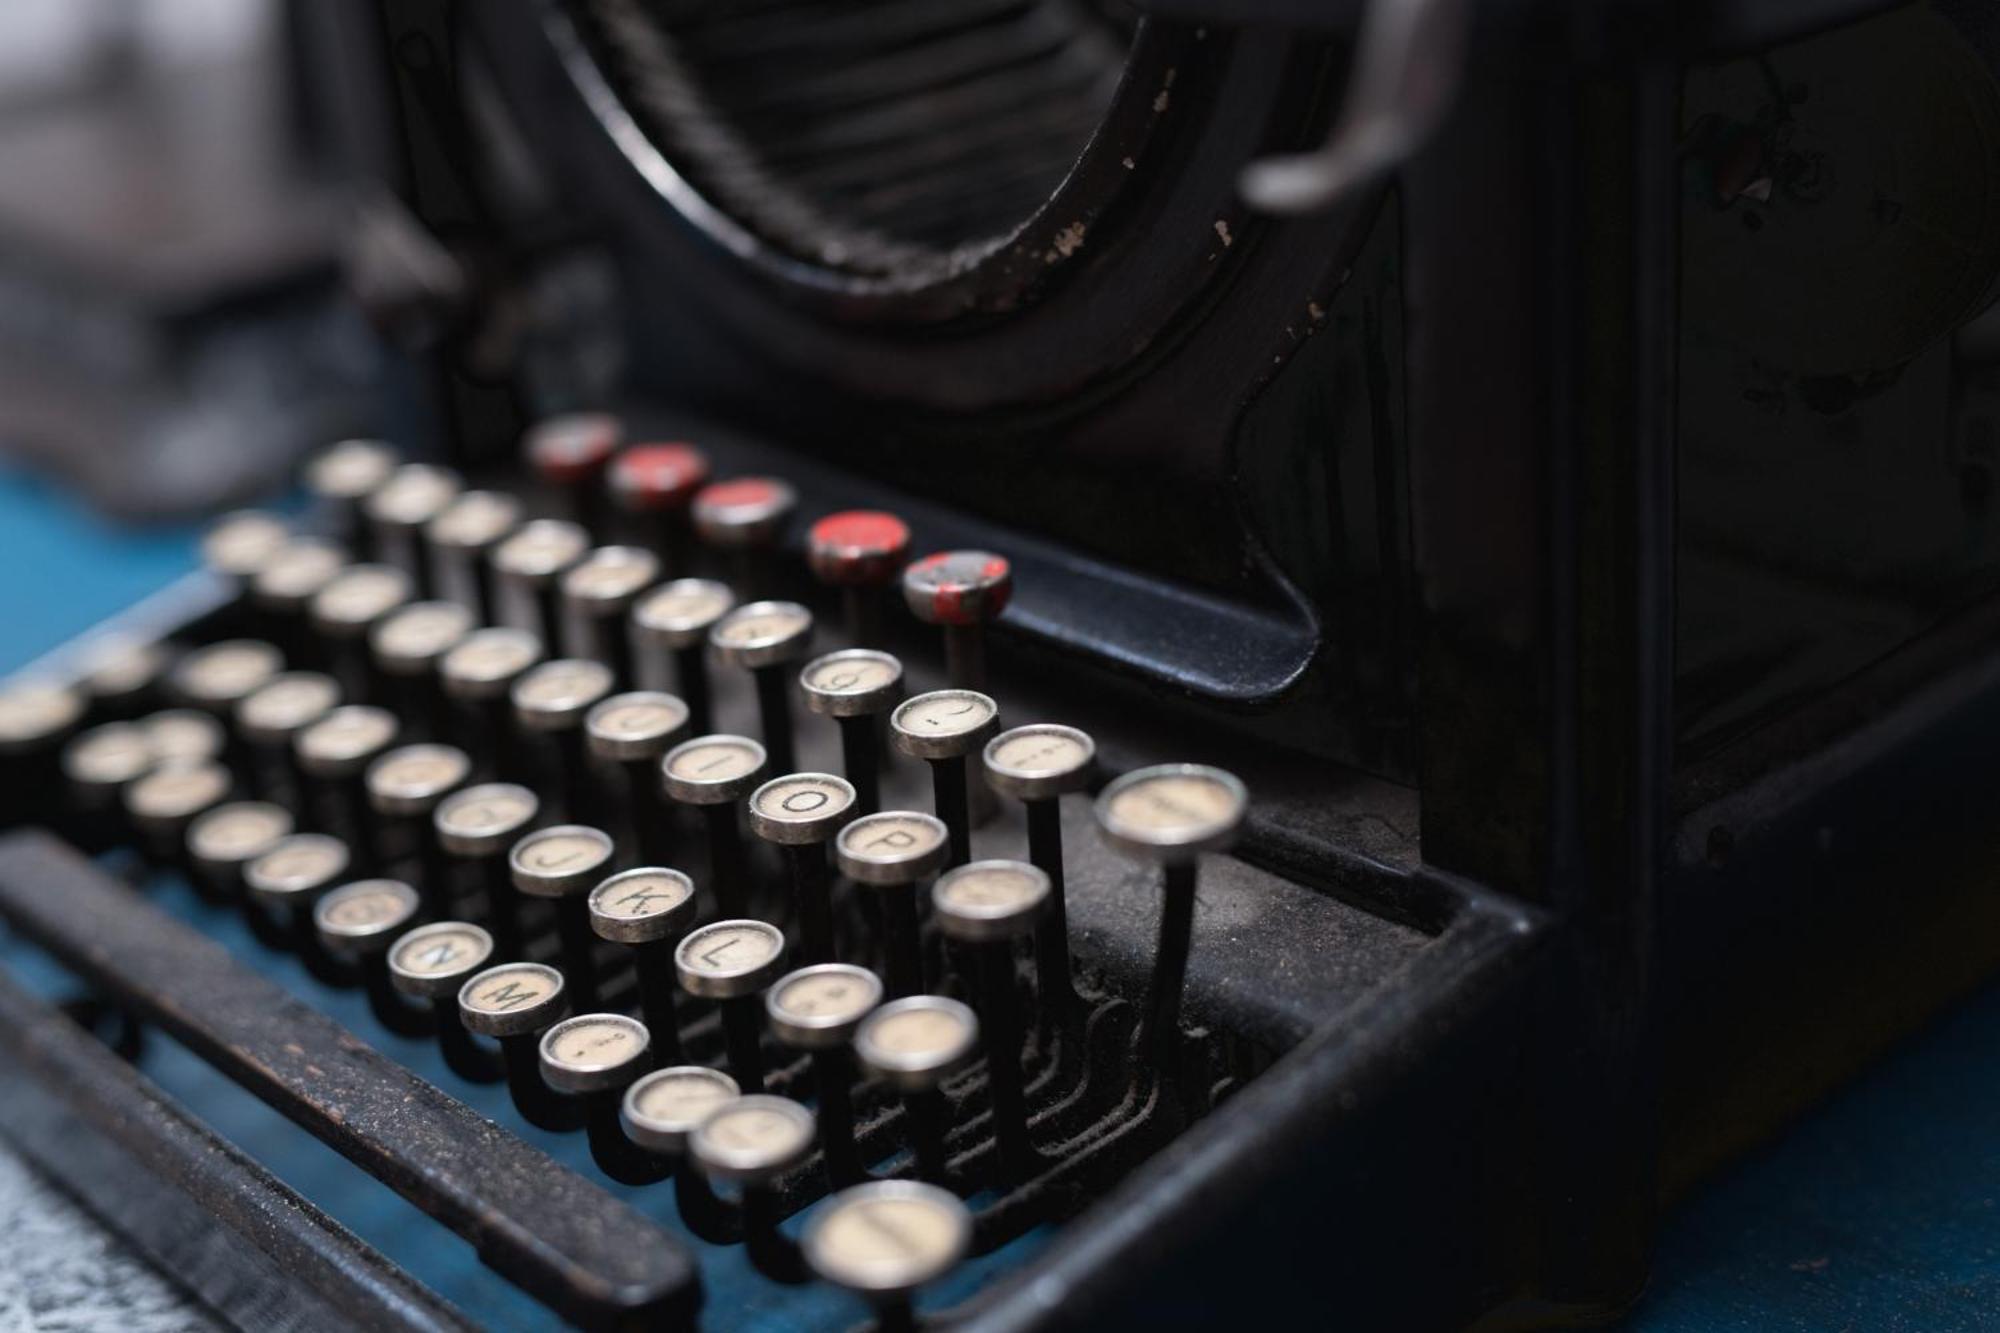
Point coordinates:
[[960, 591], [745, 516], [570, 453], [659, 481], [859, 551]]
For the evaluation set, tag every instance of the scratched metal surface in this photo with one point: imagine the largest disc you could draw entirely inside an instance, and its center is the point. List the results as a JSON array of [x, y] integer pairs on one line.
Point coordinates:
[[1880, 1212]]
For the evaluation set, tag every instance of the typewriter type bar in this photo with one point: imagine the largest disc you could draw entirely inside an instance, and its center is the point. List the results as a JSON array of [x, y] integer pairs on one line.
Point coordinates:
[[590, 1258]]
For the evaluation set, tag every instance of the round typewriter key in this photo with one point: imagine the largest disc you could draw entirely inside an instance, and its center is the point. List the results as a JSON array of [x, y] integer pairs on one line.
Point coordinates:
[[563, 862], [404, 788], [532, 560], [236, 545], [460, 538], [715, 772], [961, 591], [914, 1044], [656, 478], [556, 696], [569, 454], [100, 762], [753, 1139], [436, 960], [513, 1002], [1170, 814], [218, 677], [285, 705], [478, 824], [599, 590], [730, 962], [762, 634], [676, 617], [885, 1239], [413, 640], [226, 838], [354, 599], [745, 517], [285, 585], [293, 575], [181, 735], [818, 1009], [333, 754], [648, 909], [163, 802], [297, 867], [1040, 762], [763, 638], [485, 663], [801, 809], [596, 1057], [361, 920], [990, 901], [284, 883], [660, 481], [407, 646], [854, 687], [649, 905], [413, 779], [942, 728], [634, 731], [861, 552], [552, 700], [36, 717], [893, 851], [1036, 765], [664, 1107], [345, 741], [594, 1053], [96, 767], [268, 720], [743, 511], [412, 496], [347, 609], [215, 678], [345, 474], [484, 820], [365, 916], [801, 812], [480, 672], [432, 963], [988, 905], [402, 509], [123, 674], [854, 682]]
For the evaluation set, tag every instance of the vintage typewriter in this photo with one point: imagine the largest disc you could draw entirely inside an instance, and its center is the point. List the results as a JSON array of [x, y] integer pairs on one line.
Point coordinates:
[[1212, 660]]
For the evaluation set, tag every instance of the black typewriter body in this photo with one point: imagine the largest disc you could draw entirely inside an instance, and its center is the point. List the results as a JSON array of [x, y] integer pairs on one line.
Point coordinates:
[[1575, 534]]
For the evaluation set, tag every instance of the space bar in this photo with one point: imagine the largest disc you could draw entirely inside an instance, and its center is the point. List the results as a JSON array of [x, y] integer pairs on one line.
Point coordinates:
[[563, 1239]]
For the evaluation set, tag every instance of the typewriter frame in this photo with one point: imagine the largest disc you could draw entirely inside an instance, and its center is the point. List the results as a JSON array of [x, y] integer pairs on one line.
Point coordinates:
[[1638, 965]]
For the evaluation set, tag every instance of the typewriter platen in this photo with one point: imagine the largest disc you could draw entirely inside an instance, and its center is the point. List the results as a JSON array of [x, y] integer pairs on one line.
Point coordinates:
[[1120, 716]]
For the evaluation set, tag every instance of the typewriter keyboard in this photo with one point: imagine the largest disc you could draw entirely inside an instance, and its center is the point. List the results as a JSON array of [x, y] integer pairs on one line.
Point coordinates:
[[684, 924]]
